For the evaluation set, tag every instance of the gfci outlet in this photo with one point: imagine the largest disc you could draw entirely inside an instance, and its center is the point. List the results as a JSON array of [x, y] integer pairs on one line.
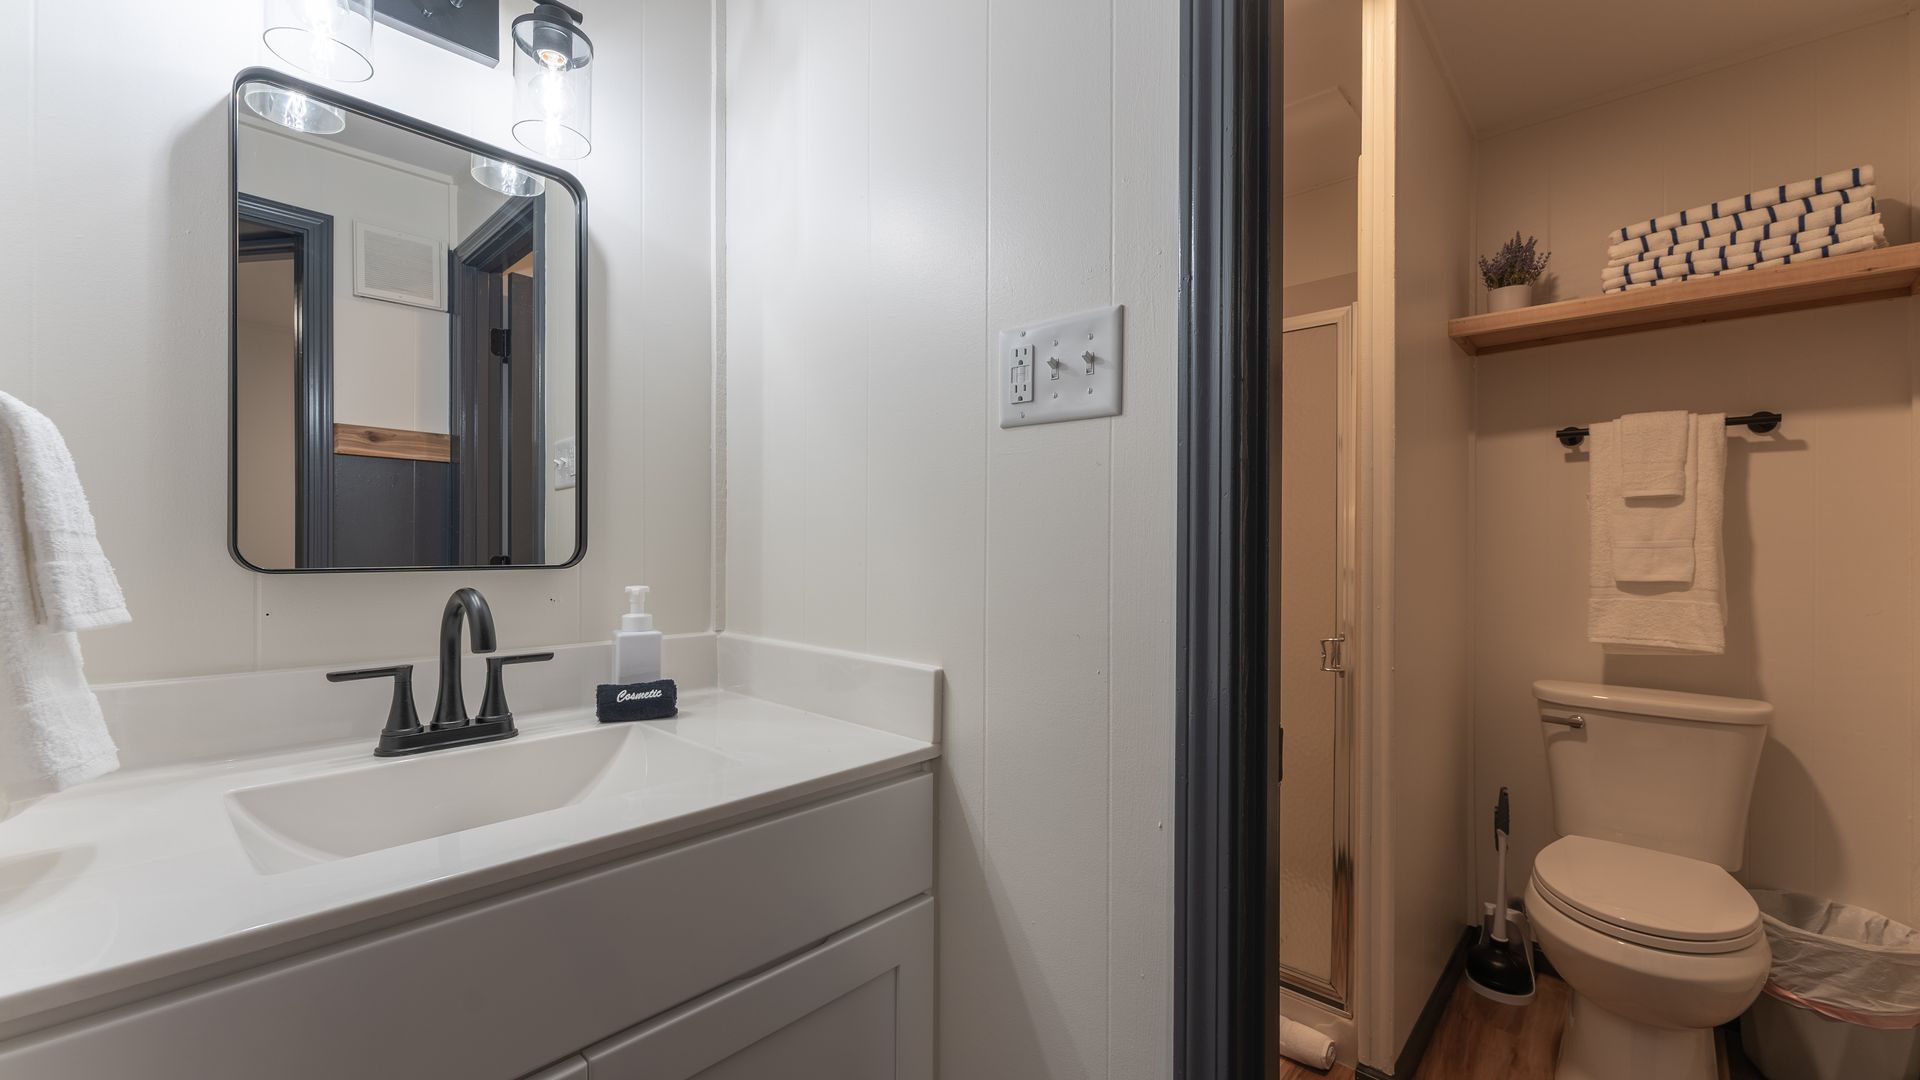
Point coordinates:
[[1066, 369]]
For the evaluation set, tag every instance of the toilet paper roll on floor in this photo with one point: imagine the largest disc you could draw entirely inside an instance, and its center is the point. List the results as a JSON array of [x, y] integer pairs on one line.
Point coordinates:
[[1305, 1045]]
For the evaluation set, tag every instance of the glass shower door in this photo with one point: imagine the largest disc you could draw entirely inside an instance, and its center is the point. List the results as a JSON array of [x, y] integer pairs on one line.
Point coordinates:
[[1312, 520]]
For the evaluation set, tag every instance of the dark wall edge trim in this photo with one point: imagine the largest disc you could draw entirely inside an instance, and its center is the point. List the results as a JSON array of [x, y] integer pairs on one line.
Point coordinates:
[[1421, 1036], [1226, 1007]]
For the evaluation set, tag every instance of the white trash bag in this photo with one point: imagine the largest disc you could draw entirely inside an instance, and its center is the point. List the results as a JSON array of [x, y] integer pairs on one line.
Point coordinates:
[[1842, 961]]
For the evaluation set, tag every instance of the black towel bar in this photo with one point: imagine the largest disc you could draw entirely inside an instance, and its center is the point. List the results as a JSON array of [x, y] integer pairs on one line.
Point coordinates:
[[1759, 423]]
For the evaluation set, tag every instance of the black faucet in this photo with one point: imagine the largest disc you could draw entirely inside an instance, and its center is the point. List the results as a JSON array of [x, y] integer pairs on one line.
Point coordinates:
[[451, 725], [450, 705]]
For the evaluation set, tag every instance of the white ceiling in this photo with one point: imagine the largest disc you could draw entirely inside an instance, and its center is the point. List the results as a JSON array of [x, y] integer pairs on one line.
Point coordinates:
[[1517, 62]]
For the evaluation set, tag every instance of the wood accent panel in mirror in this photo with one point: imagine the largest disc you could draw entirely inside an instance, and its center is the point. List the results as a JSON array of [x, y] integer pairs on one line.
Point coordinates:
[[364, 441]]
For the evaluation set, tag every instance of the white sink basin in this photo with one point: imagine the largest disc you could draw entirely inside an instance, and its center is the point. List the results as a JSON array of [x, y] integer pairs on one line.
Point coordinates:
[[384, 804]]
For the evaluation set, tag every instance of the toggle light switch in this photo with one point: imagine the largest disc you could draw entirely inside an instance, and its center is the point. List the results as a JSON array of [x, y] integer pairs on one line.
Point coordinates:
[[1074, 391]]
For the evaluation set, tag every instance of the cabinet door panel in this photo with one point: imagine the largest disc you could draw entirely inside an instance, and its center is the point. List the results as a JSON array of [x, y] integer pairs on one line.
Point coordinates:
[[859, 1007]]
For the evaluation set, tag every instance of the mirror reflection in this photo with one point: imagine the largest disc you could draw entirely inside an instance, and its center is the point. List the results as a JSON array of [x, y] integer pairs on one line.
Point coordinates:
[[406, 345]]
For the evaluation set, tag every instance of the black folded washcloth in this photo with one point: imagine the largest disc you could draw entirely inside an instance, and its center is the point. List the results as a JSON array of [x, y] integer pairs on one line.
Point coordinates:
[[655, 700]]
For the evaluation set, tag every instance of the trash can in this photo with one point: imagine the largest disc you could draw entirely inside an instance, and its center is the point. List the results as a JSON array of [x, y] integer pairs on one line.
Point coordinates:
[[1843, 997]]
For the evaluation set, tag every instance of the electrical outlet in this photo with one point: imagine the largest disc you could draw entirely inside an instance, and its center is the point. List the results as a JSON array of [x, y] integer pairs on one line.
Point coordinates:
[[1065, 369]]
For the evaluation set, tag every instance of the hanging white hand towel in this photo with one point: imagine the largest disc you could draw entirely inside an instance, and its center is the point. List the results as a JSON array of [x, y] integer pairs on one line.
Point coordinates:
[[1653, 454], [1629, 616], [54, 580]]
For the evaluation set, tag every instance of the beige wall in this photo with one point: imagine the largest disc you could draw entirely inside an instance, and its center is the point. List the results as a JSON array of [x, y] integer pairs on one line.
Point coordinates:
[[1321, 234], [1319, 248], [1428, 723], [142, 396], [264, 389], [903, 179], [1819, 533]]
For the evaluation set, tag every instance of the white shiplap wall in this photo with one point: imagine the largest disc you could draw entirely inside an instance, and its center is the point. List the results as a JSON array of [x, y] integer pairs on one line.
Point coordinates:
[[113, 202], [902, 180]]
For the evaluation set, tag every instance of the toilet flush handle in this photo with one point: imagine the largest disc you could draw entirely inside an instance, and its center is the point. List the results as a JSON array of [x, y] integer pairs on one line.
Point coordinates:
[[1574, 720]]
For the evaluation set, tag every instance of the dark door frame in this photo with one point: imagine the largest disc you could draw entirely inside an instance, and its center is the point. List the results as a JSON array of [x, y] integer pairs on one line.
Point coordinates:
[[517, 227], [1226, 1012], [307, 236]]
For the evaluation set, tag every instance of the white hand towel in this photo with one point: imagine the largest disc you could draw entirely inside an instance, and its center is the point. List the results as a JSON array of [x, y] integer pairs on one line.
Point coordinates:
[[1651, 536], [1660, 617], [1845, 214], [1653, 455], [1738, 220], [54, 580], [1877, 239], [1845, 179], [1696, 260]]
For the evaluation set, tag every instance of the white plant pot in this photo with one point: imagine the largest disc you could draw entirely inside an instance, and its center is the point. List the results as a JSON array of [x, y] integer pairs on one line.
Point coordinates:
[[1509, 297]]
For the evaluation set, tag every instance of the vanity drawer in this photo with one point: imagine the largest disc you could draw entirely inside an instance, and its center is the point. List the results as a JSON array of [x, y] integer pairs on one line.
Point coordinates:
[[859, 1007], [502, 988]]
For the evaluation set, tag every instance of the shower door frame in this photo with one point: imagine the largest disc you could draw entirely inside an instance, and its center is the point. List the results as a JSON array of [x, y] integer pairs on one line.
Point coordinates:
[[1335, 992]]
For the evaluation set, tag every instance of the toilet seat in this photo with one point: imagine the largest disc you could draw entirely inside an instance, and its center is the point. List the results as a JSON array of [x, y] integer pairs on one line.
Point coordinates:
[[1650, 898]]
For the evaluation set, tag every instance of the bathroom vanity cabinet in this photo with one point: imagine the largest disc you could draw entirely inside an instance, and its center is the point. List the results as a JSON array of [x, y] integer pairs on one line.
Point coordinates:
[[798, 943]]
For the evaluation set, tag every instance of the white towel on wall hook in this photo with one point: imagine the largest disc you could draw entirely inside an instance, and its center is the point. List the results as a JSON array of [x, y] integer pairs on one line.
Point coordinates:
[[54, 580]]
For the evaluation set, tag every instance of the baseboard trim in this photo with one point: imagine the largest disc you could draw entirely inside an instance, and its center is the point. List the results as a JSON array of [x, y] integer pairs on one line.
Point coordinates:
[[1422, 1034]]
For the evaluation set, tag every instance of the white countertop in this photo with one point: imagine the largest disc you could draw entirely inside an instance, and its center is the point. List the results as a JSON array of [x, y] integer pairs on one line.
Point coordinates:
[[139, 880]]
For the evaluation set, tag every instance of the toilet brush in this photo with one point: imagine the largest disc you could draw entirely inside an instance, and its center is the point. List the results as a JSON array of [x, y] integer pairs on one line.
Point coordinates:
[[1497, 967]]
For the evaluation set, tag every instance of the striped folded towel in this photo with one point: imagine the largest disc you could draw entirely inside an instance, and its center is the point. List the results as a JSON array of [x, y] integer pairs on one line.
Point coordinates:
[[1819, 219], [1715, 259], [1734, 222], [1844, 247], [1859, 176]]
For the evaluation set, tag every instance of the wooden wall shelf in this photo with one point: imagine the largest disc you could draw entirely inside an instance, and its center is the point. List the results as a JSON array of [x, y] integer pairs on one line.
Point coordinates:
[[1843, 279]]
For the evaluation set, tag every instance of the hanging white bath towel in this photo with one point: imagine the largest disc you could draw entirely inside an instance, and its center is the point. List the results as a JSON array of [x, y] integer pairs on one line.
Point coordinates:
[[54, 581], [1687, 617]]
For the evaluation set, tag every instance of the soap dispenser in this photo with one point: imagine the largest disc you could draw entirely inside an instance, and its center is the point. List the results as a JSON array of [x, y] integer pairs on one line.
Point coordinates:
[[636, 645]]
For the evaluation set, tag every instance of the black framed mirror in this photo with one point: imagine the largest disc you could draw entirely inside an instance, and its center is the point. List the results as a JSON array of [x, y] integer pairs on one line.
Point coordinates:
[[408, 332]]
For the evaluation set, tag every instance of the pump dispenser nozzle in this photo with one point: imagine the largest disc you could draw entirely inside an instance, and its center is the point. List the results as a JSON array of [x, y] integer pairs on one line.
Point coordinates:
[[636, 617]]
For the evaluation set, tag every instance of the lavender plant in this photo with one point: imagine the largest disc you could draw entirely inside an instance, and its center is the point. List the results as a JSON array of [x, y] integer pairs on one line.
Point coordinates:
[[1516, 263]]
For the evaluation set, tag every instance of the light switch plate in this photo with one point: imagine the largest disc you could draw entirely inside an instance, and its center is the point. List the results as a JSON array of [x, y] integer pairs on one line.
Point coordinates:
[[566, 463], [1064, 369]]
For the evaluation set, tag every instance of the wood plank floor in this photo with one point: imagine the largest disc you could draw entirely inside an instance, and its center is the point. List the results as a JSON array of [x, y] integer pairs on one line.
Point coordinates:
[[1480, 1039]]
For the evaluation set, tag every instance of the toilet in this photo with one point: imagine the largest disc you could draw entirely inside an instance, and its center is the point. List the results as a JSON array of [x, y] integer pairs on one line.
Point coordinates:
[[1634, 905]]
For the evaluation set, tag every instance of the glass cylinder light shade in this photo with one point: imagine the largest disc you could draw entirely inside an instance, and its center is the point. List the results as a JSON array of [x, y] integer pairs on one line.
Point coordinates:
[[293, 109], [329, 38], [505, 177], [552, 83]]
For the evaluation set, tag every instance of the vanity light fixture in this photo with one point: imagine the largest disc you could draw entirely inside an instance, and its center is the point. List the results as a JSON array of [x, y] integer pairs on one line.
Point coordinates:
[[293, 109], [552, 82], [505, 177], [329, 38]]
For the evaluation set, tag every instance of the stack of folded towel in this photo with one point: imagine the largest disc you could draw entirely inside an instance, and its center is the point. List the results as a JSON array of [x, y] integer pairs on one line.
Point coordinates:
[[1811, 219], [1656, 500]]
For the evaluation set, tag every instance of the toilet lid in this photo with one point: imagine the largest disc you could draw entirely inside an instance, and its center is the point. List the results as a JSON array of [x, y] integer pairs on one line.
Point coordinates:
[[1652, 892]]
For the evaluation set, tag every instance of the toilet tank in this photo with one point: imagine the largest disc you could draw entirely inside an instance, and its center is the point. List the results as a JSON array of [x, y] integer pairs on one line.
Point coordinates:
[[1654, 768]]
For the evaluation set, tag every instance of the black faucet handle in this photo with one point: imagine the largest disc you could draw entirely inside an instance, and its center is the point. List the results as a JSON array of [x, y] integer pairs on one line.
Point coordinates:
[[401, 716], [494, 705]]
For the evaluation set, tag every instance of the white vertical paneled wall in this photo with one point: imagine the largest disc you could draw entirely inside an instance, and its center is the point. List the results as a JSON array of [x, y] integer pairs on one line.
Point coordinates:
[[114, 203], [1819, 525], [903, 179]]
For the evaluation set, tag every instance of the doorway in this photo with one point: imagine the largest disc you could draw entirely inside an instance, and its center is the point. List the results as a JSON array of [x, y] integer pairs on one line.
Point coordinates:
[[498, 387]]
